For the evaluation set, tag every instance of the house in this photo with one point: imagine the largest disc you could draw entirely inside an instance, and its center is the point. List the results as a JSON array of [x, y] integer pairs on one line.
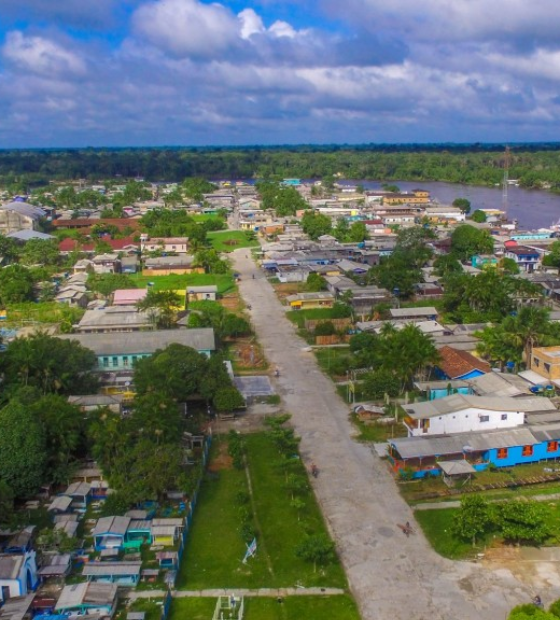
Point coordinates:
[[176, 245], [129, 296], [304, 301], [457, 364], [129, 264], [166, 265], [74, 296], [545, 361], [56, 566], [120, 573], [18, 215], [168, 559], [139, 531], [18, 574], [121, 350], [432, 390], [460, 413], [499, 384], [60, 504], [88, 599], [115, 319], [68, 523], [110, 533], [106, 263], [525, 258], [23, 236], [414, 314], [202, 293], [84, 265], [80, 493], [128, 245], [166, 531]]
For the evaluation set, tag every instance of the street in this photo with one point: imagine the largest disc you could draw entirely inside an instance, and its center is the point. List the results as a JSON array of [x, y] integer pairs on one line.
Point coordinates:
[[392, 576]]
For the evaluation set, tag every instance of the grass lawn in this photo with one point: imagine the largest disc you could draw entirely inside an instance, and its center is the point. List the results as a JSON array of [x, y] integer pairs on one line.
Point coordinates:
[[229, 240], [299, 316], [377, 432], [215, 547], [292, 608], [437, 527], [224, 282], [334, 361]]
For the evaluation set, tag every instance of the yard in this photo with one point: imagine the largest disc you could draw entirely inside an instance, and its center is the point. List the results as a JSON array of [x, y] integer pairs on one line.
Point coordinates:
[[299, 316], [215, 547], [224, 282], [229, 240], [268, 608], [438, 528]]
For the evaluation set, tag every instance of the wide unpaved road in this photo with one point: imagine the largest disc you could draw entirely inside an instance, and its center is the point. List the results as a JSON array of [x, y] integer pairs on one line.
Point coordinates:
[[391, 576]]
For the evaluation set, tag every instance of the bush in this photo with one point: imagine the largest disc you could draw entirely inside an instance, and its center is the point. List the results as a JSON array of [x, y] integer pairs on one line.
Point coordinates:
[[325, 328], [236, 449], [248, 532]]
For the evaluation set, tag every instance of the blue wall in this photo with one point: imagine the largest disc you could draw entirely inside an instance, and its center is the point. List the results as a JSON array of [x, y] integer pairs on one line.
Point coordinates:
[[515, 455], [443, 392]]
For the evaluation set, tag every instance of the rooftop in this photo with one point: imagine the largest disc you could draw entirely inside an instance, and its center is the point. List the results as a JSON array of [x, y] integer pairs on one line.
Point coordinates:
[[456, 363]]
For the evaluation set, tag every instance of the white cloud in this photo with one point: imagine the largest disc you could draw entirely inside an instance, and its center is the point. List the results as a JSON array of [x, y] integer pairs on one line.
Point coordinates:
[[187, 27], [251, 23], [40, 55], [282, 29]]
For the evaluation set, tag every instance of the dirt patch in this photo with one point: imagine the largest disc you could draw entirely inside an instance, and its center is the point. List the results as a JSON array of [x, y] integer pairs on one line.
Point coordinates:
[[287, 288], [230, 302], [247, 354], [222, 460]]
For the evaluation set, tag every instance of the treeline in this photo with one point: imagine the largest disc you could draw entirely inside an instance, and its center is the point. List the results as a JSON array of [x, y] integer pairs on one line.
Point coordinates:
[[535, 165]]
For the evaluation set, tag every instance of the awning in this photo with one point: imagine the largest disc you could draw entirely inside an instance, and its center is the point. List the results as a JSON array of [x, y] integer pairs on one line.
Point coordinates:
[[456, 468]]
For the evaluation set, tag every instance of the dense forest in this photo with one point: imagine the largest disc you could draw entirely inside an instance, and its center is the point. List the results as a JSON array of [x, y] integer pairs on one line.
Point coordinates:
[[534, 165]]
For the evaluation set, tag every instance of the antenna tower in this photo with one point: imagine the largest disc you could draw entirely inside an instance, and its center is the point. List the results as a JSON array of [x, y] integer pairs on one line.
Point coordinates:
[[505, 183]]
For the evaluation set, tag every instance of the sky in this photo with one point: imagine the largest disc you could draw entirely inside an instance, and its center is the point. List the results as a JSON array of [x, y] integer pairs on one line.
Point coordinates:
[[79, 73]]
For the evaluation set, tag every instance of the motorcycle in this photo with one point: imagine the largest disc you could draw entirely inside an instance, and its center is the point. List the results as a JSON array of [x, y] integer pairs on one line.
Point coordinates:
[[314, 470]]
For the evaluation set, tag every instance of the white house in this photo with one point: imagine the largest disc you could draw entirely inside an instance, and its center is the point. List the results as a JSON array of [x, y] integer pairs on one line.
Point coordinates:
[[461, 413], [18, 574]]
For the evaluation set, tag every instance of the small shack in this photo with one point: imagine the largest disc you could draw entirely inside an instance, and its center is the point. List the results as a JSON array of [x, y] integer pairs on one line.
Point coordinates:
[[456, 471]]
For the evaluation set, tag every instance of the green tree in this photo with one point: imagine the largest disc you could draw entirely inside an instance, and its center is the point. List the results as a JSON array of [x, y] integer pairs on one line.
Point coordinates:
[[176, 370], [315, 283], [466, 241], [318, 549], [16, 285], [474, 518], [228, 399], [163, 305], [296, 485], [446, 265], [64, 426], [530, 612], [380, 382], [315, 224], [358, 232], [6, 503], [479, 217], [40, 251], [22, 449], [462, 203], [523, 521], [8, 249], [50, 364], [107, 283]]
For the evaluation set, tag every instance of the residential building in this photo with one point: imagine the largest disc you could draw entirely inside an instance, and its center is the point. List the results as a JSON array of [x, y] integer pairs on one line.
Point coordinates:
[[129, 296], [201, 293], [16, 216], [18, 574], [177, 245], [461, 413], [546, 362], [121, 350], [116, 319], [414, 314], [120, 573], [526, 258], [457, 364], [88, 599], [303, 301], [166, 265]]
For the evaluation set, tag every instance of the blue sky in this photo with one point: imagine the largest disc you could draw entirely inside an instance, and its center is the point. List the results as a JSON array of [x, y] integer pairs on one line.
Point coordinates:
[[188, 72]]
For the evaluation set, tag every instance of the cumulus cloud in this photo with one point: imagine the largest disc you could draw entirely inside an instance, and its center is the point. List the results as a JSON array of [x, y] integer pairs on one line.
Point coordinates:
[[41, 55]]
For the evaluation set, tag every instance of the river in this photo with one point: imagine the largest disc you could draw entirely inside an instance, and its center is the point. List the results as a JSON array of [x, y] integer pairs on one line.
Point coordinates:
[[532, 208]]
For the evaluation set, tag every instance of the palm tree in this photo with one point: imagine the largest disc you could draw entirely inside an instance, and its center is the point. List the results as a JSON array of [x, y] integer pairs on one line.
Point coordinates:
[[162, 305]]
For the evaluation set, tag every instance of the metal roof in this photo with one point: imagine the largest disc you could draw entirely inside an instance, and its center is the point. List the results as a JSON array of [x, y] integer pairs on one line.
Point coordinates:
[[164, 530], [101, 569], [460, 443], [400, 313], [456, 468], [78, 488], [58, 566], [140, 525], [458, 402], [10, 566], [130, 343], [62, 503], [499, 384], [546, 432], [88, 593], [111, 525], [25, 209], [175, 521]]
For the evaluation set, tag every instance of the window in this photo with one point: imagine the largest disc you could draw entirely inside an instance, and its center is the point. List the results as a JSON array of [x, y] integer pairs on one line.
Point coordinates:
[[484, 418], [527, 451], [115, 361], [105, 362], [547, 367], [134, 359], [552, 446], [502, 453], [504, 416], [125, 360], [536, 362]]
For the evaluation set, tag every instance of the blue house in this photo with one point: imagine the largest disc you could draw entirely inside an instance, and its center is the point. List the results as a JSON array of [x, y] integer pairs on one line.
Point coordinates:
[[110, 533], [459, 365], [421, 456]]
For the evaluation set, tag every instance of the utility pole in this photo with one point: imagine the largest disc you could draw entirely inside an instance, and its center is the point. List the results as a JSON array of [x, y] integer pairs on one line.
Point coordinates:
[[505, 182]]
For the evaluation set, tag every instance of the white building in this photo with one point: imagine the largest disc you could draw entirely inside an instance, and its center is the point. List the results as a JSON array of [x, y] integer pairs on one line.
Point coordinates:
[[18, 575], [461, 414]]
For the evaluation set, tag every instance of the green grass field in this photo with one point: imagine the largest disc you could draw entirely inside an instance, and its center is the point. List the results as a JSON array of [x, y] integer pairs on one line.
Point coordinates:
[[299, 316], [239, 239], [292, 608], [224, 282], [437, 527], [215, 548]]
